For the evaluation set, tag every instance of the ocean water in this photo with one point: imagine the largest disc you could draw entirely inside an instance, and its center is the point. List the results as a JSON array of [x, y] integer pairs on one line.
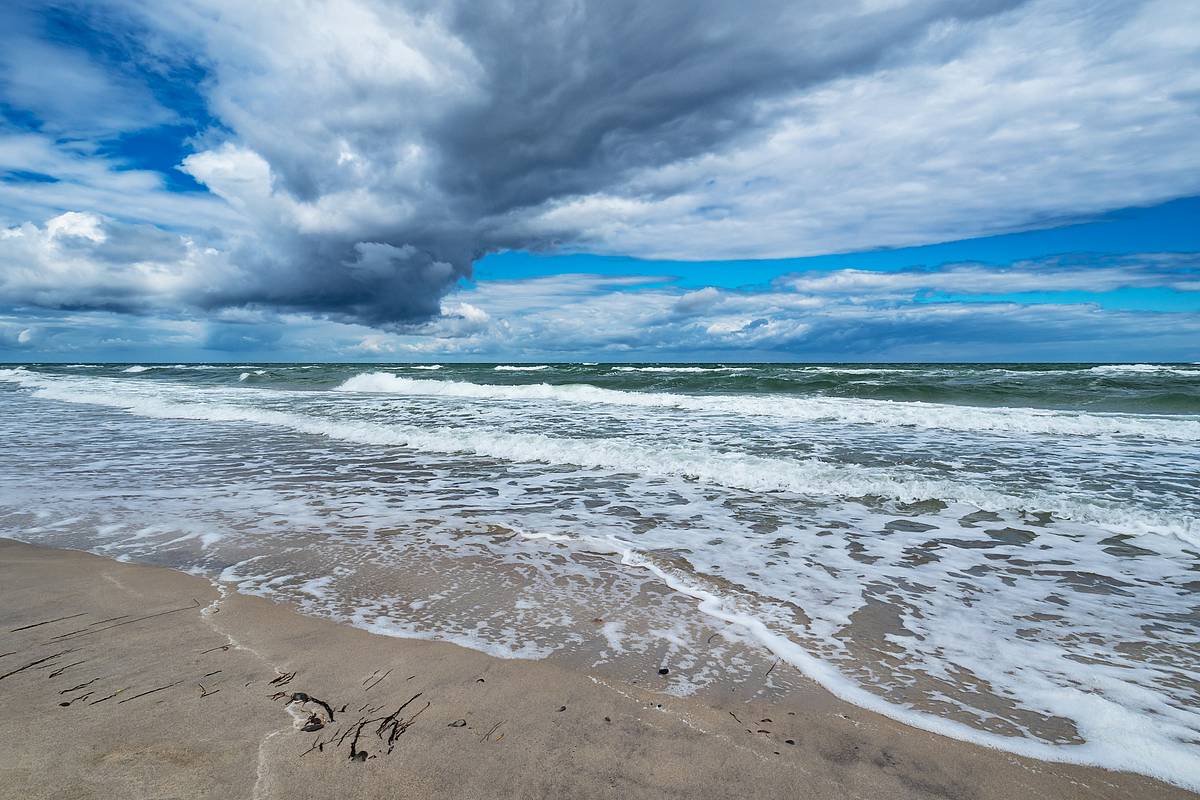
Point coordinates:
[[1007, 554]]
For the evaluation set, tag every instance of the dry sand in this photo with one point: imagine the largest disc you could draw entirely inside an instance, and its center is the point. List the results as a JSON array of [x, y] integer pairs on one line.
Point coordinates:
[[125, 681]]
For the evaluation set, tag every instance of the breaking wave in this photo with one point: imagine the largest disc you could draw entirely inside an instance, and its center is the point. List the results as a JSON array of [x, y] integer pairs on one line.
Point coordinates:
[[808, 409], [808, 476]]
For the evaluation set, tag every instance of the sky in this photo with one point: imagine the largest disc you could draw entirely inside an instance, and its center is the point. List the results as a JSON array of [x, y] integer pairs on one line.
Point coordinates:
[[436, 180]]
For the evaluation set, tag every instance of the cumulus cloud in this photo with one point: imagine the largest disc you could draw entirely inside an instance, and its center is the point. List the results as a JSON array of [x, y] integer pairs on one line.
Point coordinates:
[[359, 155], [83, 260]]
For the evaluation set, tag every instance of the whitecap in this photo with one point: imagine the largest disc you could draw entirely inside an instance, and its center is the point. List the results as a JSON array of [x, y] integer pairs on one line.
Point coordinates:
[[804, 476], [1142, 369], [692, 370], [889, 413]]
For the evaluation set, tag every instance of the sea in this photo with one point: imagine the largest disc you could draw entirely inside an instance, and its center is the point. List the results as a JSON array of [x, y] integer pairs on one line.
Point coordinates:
[[1007, 554]]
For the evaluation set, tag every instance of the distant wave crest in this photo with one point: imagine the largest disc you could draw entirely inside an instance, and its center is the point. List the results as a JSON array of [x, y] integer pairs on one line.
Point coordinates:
[[806, 409]]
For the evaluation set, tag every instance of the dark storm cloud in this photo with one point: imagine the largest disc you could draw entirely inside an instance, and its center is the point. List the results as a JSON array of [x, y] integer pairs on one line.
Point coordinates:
[[579, 94], [374, 282], [504, 108]]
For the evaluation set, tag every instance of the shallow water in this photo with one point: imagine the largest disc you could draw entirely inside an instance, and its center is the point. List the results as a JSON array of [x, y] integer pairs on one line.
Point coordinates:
[[1003, 553]]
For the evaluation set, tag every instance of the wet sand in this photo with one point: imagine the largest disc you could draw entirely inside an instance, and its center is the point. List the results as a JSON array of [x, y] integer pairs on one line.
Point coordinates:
[[128, 681]]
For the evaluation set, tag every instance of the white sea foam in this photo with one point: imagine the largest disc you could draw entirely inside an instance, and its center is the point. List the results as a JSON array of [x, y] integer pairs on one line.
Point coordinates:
[[1127, 368], [425, 366], [809, 476], [809, 409], [975, 633], [1143, 369], [521, 367], [683, 369], [925, 370], [511, 645], [852, 370], [1035, 667], [139, 368], [1115, 736]]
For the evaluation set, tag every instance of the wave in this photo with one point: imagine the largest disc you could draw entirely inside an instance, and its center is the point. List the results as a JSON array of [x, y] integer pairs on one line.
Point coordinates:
[[1105, 722], [808, 477], [889, 413], [1106, 746], [854, 370], [683, 369], [1142, 369], [1028, 371], [520, 368], [139, 368], [424, 366]]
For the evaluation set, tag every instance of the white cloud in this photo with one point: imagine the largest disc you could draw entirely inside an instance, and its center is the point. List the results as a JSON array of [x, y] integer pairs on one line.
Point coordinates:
[[374, 344], [84, 181], [1056, 108], [79, 259], [971, 279], [71, 94], [699, 299], [830, 314], [82, 225]]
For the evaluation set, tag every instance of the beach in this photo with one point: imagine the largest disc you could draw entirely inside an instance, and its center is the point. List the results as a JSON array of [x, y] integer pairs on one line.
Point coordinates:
[[122, 680], [955, 567], [426, 398]]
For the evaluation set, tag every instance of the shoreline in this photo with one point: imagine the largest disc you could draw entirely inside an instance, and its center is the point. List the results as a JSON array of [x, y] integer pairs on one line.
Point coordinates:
[[125, 680]]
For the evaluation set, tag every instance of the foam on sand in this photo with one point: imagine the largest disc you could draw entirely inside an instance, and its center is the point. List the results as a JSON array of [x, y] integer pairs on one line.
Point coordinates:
[[1054, 635], [1115, 737]]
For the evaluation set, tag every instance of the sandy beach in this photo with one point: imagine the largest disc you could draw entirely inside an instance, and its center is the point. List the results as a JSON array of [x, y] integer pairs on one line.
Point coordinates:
[[131, 681], [600, 399]]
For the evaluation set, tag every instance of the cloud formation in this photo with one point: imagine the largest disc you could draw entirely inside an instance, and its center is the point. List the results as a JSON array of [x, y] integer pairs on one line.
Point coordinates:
[[955, 313], [359, 155], [952, 313]]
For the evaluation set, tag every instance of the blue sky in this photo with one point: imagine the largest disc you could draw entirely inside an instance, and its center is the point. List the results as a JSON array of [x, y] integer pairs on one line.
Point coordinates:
[[369, 181], [1172, 227]]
